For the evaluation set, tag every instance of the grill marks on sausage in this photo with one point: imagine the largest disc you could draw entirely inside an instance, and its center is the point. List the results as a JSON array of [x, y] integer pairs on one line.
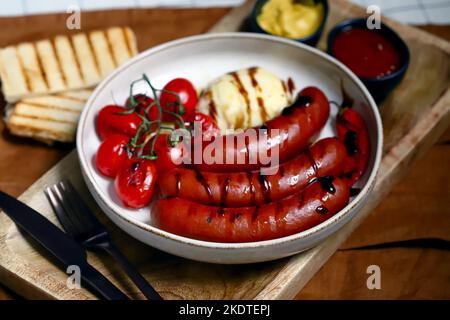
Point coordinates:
[[326, 184], [269, 221], [232, 217], [204, 183], [300, 102], [252, 186], [248, 188], [225, 190], [255, 214], [247, 150], [265, 185]]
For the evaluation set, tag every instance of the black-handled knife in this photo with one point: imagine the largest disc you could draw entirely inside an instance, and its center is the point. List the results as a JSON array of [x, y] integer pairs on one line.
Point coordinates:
[[59, 244]]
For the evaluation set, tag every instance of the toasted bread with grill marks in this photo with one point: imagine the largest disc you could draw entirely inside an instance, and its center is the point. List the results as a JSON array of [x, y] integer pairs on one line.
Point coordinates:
[[48, 118], [63, 63]]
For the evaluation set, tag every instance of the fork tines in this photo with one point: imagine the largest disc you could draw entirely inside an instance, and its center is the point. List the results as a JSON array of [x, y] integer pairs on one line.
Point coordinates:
[[72, 212]]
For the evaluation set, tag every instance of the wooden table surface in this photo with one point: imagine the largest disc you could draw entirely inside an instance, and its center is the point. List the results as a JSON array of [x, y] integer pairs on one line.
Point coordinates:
[[422, 271]]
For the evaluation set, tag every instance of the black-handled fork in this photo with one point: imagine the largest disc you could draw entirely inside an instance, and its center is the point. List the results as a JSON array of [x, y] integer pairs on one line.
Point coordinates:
[[80, 223]]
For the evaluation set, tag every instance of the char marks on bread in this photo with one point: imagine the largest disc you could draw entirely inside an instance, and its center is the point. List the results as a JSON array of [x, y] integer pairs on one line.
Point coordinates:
[[63, 63], [48, 82]]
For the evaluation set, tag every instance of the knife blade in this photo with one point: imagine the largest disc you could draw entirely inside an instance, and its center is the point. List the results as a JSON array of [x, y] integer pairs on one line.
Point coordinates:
[[59, 244]]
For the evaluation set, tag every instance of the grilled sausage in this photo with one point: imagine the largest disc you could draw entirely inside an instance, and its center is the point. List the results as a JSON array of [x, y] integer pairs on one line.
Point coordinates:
[[306, 209], [241, 189], [288, 134]]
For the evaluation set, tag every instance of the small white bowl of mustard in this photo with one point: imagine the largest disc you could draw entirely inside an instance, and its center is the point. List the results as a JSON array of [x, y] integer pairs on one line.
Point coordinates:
[[300, 20]]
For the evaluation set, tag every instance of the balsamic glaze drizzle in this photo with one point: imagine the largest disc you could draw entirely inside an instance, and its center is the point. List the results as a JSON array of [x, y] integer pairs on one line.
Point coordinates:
[[350, 142], [321, 210], [244, 94], [326, 183], [301, 101]]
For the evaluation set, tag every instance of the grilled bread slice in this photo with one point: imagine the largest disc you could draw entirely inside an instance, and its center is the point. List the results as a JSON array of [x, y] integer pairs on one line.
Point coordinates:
[[63, 63], [48, 118]]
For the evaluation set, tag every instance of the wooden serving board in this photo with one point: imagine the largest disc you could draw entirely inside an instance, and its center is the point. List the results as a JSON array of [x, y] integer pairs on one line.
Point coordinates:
[[414, 116]]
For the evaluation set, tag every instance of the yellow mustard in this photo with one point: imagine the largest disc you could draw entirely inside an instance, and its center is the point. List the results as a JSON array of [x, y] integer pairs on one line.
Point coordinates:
[[290, 18]]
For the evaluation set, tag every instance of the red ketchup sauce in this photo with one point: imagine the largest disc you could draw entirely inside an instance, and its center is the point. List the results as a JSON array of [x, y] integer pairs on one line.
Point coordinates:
[[367, 53]]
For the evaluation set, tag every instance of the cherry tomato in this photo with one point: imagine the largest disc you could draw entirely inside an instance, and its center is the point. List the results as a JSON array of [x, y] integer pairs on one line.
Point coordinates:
[[187, 94], [168, 156], [143, 101], [111, 154], [135, 182], [109, 121], [208, 126]]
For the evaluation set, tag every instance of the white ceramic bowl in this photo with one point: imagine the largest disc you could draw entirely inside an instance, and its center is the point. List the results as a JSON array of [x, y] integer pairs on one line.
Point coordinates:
[[201, 59]]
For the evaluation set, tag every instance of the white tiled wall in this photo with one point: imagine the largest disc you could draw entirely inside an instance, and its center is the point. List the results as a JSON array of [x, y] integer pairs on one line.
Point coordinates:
[[413, 11], [409, 11]]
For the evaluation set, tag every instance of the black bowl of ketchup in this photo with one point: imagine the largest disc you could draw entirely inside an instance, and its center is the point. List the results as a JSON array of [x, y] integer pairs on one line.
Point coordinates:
[[379, 57]]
